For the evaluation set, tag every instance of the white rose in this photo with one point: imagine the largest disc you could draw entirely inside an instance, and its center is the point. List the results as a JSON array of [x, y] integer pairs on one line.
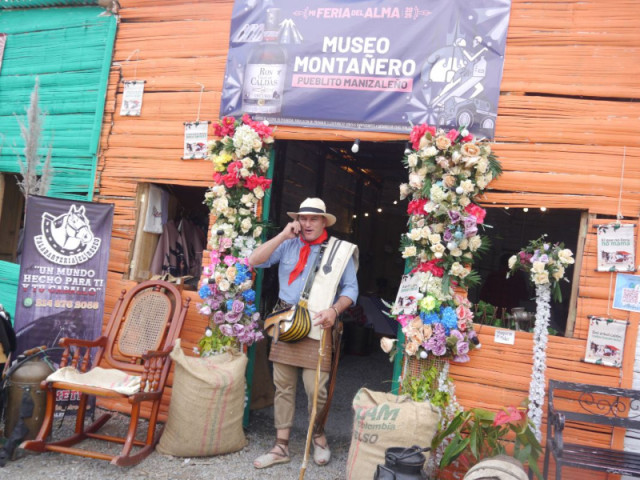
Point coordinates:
[[244, 173], [415, 234], [258, 192], [483, 165], [464, 243], [430, 151], [247, 163], [257, 232], [434, 238], [404, 191], [467, 186], [540, 278], [245, 225], [538, 267], [223, 285], [437, 228], [566, 256], [263, 163], [464, 201], [559, 273], [409, 252], [475, 242], [425, 232], [424, 142], [412, 160], [416, 181], [387, 344], [456, 252], [438, 250], [481, 183], [429, 206], [512, 261]]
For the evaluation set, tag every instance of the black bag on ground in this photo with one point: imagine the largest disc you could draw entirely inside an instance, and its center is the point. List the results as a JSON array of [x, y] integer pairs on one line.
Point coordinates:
[[402, 464]]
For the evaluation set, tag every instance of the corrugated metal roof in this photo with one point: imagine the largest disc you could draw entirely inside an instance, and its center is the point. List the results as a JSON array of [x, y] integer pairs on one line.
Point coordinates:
[[6, 4]]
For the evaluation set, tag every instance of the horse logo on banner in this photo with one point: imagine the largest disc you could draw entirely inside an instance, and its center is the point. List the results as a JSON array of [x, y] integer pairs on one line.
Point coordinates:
[[67, 239]]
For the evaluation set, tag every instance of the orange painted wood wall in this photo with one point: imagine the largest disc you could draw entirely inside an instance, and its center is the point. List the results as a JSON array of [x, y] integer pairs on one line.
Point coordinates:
[[568, 110]]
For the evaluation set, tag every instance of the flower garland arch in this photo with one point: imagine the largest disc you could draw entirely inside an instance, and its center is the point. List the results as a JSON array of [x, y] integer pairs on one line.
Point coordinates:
[[448, 171], [240, 158]]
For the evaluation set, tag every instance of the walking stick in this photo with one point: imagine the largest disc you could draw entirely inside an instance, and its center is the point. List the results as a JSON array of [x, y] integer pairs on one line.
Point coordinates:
[[314, 407]]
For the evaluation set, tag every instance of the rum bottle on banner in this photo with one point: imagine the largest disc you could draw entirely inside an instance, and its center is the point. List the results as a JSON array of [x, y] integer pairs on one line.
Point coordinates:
[[265, 71]]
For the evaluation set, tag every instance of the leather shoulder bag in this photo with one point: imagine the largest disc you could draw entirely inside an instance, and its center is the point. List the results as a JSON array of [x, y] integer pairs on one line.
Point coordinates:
[[294, 323]]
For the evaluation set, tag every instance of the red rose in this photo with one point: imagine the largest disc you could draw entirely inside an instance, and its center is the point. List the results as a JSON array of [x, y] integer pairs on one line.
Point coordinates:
[[476, 211], [430, 266], [453, 134], [416, 207], [227, 126], [230, 181], [418, 132], [468, 138]]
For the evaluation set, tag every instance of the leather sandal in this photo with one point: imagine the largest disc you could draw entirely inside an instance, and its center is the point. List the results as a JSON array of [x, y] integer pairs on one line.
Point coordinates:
[[273, 458], [321, 455]]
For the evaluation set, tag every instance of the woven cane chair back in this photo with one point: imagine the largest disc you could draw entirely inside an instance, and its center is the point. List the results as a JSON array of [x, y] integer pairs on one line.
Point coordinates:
[[145, 323]]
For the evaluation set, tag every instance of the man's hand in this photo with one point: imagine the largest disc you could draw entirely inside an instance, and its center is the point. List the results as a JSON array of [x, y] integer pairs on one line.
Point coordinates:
[[325, 318], [292, 230]]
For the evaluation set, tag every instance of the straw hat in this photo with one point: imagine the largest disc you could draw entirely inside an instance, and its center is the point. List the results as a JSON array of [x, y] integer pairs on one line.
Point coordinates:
[[313, 206]]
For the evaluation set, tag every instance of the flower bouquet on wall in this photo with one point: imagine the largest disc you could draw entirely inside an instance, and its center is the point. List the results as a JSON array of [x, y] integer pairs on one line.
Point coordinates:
[[241, 159], [447, 173], [545, 262]]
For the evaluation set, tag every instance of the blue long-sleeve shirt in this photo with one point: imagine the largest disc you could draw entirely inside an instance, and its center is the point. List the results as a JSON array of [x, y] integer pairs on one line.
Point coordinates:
[[287, 255]]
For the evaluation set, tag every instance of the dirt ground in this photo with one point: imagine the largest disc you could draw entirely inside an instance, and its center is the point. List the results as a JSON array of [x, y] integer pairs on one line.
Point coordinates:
[[373, 371]]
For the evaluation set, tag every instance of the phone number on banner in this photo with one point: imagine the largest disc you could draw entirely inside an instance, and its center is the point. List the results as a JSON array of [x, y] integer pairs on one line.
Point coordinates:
[[44, 302]]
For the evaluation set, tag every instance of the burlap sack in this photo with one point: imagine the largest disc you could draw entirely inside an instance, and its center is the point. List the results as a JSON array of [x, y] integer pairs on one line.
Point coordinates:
[[383, 420], [207, 405]]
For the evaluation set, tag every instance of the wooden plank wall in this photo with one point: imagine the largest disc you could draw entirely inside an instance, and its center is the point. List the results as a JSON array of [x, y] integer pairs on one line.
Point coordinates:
[[568, 111]]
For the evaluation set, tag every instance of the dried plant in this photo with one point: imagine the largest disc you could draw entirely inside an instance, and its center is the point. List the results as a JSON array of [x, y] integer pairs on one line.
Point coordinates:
[[36, 174]]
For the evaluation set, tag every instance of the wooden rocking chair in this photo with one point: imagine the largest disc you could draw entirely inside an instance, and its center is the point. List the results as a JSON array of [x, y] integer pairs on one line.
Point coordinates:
[[134, 364]]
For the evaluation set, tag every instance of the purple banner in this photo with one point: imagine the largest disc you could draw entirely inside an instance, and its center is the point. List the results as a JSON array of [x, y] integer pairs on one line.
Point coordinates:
[[63, 271], [374, 65]]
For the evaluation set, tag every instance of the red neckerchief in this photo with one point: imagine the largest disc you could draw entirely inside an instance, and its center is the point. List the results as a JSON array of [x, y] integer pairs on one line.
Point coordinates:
[[304, 255]]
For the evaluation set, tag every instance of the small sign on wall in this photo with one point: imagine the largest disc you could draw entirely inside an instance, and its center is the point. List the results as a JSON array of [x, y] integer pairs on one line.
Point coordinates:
[[627, 293], [605, 343], [616, 247], [507, 337], [132, 98], [407, 299], [195, 140]]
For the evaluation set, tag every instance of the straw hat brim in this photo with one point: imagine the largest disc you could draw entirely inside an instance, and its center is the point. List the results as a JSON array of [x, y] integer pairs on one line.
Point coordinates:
[[331, 219]]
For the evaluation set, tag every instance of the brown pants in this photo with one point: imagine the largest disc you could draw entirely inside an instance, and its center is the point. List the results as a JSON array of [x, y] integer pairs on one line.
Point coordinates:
[[285, 379]]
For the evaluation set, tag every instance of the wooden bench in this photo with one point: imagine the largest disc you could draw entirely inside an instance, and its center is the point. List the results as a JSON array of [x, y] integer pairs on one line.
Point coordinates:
[[591, 404]]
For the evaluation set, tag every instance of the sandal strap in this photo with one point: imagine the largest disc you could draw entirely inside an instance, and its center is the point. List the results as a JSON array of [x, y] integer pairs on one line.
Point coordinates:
[[282, 441]]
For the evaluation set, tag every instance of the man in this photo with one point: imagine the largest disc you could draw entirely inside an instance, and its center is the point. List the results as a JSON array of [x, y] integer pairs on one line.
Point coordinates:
[[296, 249]]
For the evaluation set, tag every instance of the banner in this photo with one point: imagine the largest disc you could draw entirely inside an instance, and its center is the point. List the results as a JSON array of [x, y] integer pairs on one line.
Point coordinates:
[[605, 343], [375, 65], [63, 271], [195, 140], [132, 98], [3, 42], [616, 247]]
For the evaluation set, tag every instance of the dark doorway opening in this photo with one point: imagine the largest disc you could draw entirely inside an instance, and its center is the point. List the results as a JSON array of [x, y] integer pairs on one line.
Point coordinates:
[[361, 189]]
